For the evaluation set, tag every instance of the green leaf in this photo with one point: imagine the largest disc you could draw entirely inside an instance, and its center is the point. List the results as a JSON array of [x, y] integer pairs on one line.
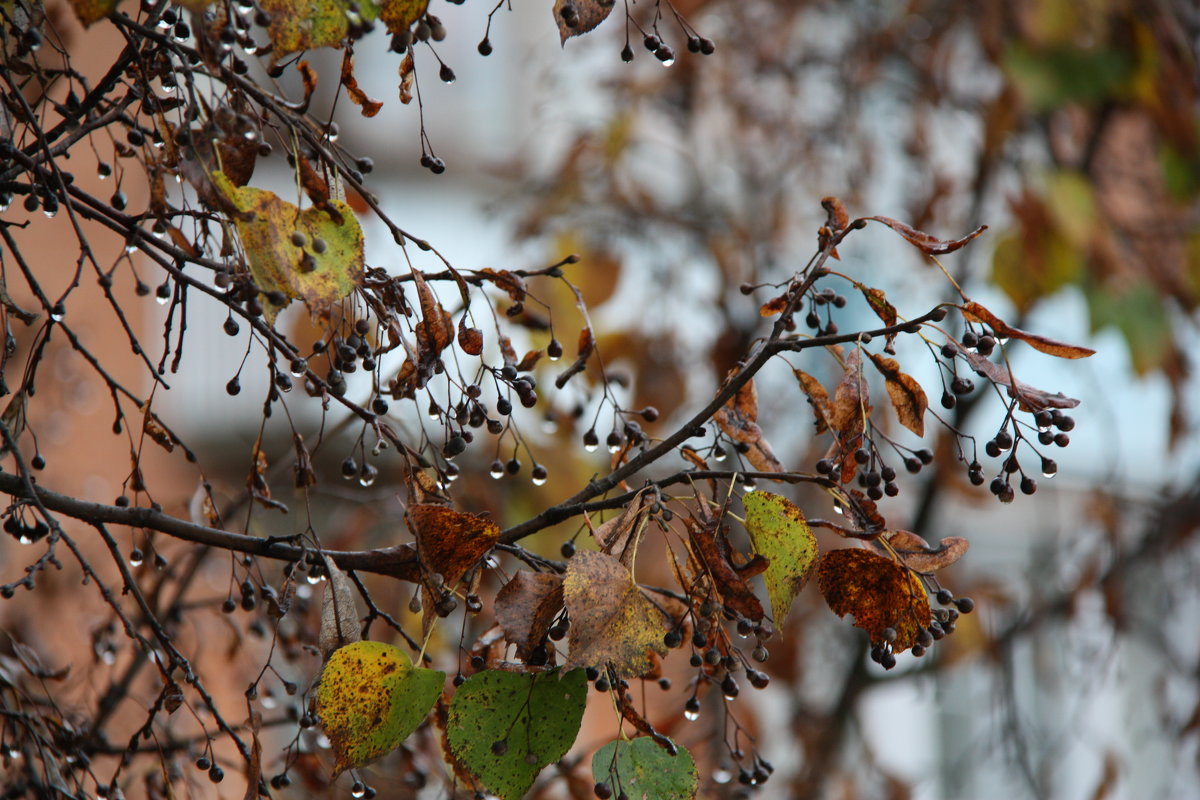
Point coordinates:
[[645, 771], [779, 533], [504, 727], [1053, 76], [320, 274], [370, 699]]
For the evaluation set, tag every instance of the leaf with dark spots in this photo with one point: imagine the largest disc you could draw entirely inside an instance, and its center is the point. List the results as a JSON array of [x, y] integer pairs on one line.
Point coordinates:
[[851, 407], [450, 542], [779, 532], [646, 771], [738, 420], [612, 623], [526, 607], [877, 591], [399, 15], [907, 396], [926, 243], [370, 699], [977, 313]]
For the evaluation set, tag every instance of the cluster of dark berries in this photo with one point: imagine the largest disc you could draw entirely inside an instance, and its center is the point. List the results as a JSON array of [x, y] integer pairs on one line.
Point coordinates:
[[23, 532]]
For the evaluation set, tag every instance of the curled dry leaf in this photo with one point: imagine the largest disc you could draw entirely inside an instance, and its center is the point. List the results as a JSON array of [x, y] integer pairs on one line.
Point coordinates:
[[587, 344], [339, 614], [907, 396], [577, 17], [917, 554], [977, 313], [618, 536], [154, 429], [526, 606], [435, 331], [851, 407], [408, 77], [877, 591], [818, 398], [357, 96], [469, 339], [611, 621], [712, 551], [1028, 397], [926, 243], [738, 419]]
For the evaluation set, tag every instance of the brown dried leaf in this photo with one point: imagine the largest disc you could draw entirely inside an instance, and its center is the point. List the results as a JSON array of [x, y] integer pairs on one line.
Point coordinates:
[[154, 429], [611, 622], [927, 244], [618, 536], [469, 339], [880, 593], [977, 313], [774, 306], [818, 397], [918, 555], [587, 344], [878, 302], [510, 282], [317, 190], [712, 549], [577, 17], [305, 474], [837, 219], [908, 398], [529, 361], [737, 418], [851, 407], [408, 76], [309, 77], [357, 96], [339, 614], [450, 542], [436, 329], [526, 606], [1029, 398]]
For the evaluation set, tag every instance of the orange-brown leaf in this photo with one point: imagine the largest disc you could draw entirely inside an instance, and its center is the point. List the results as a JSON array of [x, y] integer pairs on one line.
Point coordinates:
[[926, 243], [838, 219], [774, 306], [526, 607], [450, 542], [880, 593], [974, 311], [308, 76], [908, 398], [618, 536], [529, 360]]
